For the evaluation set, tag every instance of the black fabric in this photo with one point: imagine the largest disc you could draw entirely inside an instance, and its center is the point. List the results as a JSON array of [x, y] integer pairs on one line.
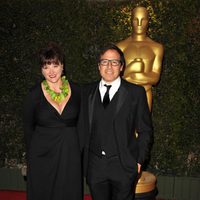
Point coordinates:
[[102, 138], [54, 164], [106, 99], [108, 180], [130, 113]]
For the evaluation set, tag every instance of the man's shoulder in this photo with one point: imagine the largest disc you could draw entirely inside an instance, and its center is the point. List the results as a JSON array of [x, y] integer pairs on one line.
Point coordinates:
[[132, 85], [87, 87], [133, 88]]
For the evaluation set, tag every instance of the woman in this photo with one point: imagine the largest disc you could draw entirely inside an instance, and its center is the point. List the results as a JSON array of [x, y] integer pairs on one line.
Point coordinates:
[[50, 119]]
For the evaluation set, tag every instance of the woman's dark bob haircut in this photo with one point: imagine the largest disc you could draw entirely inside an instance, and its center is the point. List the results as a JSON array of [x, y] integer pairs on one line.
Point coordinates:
[[51, 54]]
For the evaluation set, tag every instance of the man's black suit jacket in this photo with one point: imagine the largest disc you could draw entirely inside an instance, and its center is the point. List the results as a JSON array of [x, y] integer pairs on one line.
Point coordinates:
[[131, 114]]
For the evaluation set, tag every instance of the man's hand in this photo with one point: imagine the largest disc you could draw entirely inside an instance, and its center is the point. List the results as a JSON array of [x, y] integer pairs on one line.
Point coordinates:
[[139, 168]]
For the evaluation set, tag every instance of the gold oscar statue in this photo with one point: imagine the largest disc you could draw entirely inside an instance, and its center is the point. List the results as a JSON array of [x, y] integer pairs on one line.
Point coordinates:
[[143, 55], [143, 67]]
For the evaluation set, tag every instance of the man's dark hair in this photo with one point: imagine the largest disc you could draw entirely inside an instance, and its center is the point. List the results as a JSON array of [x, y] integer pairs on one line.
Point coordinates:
[[113, 47]]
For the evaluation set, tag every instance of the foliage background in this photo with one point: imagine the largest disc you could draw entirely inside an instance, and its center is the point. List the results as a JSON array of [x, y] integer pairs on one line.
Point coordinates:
[[81, 27]]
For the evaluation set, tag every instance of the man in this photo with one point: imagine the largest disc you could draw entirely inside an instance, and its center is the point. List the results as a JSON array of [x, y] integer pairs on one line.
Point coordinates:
[[143, 55], [114, 109]]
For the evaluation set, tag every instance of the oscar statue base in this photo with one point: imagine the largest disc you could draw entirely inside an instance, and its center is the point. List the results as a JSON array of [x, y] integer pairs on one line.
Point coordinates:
[[146, 187]]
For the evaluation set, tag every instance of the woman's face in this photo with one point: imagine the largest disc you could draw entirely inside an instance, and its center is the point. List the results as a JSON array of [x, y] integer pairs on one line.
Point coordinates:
[[52, 72]]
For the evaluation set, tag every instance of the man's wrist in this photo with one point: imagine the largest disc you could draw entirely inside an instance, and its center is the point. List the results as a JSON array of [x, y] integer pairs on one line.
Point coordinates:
[[139, 167]]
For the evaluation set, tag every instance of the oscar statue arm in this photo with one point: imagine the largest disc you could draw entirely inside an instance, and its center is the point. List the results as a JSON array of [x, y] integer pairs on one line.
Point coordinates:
[[149, 77]]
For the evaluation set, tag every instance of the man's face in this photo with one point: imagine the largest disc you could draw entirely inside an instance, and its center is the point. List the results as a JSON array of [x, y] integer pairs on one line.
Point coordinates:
[[140, 20], [110, 72]]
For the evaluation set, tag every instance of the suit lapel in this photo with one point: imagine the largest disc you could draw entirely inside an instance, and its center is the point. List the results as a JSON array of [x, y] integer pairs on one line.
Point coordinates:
[[122, 93]]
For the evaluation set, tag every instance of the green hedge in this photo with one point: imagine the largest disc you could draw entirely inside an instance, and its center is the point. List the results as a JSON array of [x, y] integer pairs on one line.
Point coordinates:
[[81, 27]]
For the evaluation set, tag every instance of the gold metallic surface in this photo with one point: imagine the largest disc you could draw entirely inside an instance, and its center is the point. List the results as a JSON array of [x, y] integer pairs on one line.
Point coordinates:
[[146, 183], [143, 67], [143, 55]]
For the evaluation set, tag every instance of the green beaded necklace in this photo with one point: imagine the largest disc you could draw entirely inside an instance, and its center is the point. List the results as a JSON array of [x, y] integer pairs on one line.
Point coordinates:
[[55, 96]]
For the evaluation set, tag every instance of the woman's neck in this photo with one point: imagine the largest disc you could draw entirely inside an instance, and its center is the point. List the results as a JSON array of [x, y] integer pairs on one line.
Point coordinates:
[[56, 85]]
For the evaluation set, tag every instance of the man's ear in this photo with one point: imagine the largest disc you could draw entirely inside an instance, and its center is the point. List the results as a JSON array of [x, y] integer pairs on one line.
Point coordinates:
[[99, 66], [121, 68]]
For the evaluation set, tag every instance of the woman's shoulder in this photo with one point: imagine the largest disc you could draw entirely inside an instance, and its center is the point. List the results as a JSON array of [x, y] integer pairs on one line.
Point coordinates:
[[36, 88], [35, 91], [84, 89], [90, 86], [33, 95], [81, 86], [74, 86]]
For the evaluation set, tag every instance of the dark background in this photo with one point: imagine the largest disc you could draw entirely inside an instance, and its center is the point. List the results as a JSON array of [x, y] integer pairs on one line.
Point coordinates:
[[81, 27]]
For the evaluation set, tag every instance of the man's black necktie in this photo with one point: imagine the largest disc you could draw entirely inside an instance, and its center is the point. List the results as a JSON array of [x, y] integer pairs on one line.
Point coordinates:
[[106, 99]]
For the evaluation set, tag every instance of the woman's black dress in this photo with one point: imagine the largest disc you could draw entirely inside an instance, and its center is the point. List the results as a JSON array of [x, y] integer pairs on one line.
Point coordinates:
[[53, 153]]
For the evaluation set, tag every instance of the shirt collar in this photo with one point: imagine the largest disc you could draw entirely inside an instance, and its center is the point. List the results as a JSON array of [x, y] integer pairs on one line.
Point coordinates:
[[115, 86], [116, 83]]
